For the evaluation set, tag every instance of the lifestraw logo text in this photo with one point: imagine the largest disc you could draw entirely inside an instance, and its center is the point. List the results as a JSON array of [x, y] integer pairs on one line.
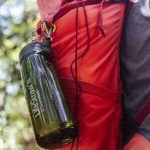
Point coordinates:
[[33, 102]]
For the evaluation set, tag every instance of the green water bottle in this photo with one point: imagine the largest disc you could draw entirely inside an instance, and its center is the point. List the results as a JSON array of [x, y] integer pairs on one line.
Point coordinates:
[[49, 112]]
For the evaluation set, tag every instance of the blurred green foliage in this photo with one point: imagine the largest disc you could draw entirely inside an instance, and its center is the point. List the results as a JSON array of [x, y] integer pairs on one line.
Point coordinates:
[[17, 20]]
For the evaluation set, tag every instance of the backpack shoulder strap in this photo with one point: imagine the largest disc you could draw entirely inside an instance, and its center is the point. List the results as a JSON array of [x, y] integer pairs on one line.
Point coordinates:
[[143, 113], [129, 5]]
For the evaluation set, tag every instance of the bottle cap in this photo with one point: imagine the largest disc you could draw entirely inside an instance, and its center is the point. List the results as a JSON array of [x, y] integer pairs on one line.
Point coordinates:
[[35, 48]]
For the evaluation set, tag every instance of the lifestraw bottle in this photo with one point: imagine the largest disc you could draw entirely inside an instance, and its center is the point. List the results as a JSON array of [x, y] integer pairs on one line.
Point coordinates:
[[49, 112]]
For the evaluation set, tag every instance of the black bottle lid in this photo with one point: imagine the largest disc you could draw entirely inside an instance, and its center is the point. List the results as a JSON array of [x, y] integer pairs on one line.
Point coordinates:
[[35, 48]]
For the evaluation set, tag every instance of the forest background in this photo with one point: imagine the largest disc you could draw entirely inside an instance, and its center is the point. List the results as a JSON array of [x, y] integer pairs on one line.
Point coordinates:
[[17, 20]]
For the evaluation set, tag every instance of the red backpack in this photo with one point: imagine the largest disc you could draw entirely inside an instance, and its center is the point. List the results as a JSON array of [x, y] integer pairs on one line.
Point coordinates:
[[86, 57]]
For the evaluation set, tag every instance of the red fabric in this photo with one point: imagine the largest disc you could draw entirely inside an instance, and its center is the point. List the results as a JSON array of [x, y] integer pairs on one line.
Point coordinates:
[[138, 142], [98, 71]]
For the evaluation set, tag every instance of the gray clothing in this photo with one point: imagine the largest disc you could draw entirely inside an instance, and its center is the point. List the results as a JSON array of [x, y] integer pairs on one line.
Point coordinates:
[[135, 64]]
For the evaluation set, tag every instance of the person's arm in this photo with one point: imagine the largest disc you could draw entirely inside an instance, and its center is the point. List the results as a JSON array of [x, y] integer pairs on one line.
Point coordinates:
[[48, 8], [141, 139], [138, 142], [134, 1]]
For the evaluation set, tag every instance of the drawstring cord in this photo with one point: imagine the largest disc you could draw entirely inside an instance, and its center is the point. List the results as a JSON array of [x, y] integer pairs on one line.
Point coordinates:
[[100, 18], [75, 77], [75, 64]]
